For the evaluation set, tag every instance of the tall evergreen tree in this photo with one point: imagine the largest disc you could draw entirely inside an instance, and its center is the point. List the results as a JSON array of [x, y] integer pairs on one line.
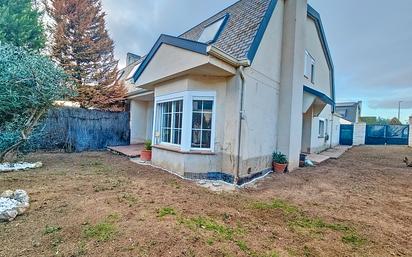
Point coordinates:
[[82, 46], [20, 24]]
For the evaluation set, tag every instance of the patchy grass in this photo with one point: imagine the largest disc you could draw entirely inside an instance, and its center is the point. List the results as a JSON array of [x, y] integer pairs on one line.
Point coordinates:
[[51, 229], [128, 199], [275, 204], [104, 230], [166, 212], [209, 224], [353, 239]]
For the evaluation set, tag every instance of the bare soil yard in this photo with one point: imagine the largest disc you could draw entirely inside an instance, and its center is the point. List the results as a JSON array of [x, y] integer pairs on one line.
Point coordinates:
[[99, 204]]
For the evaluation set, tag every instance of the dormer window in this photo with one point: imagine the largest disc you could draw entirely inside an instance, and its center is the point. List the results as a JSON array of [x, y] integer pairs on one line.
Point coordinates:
[[211, 32]]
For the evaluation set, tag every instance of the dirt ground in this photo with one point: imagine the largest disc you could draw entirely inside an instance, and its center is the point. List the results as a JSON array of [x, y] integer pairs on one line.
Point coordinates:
[[99, 204]]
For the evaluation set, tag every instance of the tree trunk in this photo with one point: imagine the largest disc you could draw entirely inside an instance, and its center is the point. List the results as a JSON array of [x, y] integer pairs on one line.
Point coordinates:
[[25, 133]]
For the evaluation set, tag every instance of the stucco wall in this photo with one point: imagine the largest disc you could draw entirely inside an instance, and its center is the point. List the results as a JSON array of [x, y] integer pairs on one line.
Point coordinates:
[[313, 45], [226, 119], [261, 100], [138, 121], [359, 133]]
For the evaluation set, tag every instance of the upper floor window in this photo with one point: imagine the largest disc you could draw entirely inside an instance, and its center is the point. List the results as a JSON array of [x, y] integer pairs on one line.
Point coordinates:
[[309, 67], [210, 32]]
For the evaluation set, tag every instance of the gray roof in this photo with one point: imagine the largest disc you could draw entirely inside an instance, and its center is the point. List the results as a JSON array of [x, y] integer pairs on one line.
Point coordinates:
[[245, 17]]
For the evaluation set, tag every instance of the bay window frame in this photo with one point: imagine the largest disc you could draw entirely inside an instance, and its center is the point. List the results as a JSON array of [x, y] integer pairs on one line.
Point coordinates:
[[187, 117]]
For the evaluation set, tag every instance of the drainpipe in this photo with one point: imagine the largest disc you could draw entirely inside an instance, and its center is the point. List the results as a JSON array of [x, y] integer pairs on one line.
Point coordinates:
[[241, 118]]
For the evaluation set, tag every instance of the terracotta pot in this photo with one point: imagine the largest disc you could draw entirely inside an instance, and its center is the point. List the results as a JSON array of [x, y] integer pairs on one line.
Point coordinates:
[[146, 155], [279, 168]]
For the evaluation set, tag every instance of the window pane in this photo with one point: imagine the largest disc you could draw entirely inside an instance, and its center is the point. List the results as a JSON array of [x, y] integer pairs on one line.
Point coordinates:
[[207, 106], [166, 135], [177, 120], [206, 136], [210, 31], [177, 136], [167, 121], [179, 106], [196, 138], [207, 121], [197, 106], [197, 120]]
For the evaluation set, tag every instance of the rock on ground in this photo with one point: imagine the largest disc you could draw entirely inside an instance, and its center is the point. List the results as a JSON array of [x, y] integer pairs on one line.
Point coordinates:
[[8, 167], [13, 204]]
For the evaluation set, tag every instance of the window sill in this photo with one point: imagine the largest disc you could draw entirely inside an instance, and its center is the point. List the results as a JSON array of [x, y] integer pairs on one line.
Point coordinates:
[[178, 150]]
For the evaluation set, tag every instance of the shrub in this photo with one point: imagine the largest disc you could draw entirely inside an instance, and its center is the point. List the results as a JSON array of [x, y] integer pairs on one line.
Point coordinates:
[[279, 157]]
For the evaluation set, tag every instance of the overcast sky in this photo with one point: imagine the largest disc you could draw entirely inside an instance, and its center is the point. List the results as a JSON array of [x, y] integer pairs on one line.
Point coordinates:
[[370, 42]]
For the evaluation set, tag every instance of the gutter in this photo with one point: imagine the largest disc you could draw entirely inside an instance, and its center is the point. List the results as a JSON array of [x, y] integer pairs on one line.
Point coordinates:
[[240, 64], [221, 55]]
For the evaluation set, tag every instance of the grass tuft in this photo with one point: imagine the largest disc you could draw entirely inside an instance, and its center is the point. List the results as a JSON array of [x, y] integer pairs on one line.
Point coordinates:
[[353, 239], [166, 212], [104, 230], [51, 229], [276, 204], [210, 225]]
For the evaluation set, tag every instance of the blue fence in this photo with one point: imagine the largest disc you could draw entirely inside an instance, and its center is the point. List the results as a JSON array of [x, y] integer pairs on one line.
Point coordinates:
[[387, 134], [77, 130]]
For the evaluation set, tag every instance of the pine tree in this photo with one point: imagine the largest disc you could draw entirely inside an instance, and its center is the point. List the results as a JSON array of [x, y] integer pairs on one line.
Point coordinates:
[[20, 24], [83, 47]]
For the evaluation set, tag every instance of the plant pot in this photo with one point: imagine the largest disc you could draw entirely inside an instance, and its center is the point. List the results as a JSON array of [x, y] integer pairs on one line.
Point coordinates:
[[146, 155], [279, 168]]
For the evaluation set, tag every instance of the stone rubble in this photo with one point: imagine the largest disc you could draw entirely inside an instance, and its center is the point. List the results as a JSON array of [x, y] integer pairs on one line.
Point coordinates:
[[9, 167], [13, 204]]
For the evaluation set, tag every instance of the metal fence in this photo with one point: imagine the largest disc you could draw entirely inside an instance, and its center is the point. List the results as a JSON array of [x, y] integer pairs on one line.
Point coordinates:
[[387, 134], [77, 130]]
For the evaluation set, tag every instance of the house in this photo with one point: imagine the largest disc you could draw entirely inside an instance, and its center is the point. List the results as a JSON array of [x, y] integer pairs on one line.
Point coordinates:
[[219, 99], [350, 111]]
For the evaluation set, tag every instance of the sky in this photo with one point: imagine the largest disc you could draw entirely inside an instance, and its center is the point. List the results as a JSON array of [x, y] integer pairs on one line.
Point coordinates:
[[370, 42]]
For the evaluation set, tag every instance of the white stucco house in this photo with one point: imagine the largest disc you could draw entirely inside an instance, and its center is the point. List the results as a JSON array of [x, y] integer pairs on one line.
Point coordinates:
[[219, 99]]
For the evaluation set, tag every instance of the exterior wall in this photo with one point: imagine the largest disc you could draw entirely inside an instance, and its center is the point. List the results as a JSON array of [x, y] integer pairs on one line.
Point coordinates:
[[359, 133], [226, 121], [138, 125], [410, 132], [320, 144], [322, 80], [335, 130], [261, 100], [291, 89]]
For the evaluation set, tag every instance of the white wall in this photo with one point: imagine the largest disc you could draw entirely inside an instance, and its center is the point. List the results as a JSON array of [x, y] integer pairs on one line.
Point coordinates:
[[322, 81], [359, 133], [335, 130], [261, 99], [138, 121]]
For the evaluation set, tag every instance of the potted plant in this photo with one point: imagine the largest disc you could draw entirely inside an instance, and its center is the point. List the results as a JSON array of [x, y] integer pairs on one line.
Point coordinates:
[[279, 162], [146, 154]]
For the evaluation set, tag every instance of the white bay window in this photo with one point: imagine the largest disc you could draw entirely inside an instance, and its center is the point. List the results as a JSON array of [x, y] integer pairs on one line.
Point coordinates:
[[185, 120]]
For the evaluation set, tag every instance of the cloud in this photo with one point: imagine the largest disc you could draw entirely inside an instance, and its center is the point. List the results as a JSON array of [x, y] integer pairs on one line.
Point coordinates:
[[136, 25]]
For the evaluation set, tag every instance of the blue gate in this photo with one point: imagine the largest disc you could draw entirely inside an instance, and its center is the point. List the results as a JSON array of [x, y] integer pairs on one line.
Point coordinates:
[[387, 134], [346, 135]]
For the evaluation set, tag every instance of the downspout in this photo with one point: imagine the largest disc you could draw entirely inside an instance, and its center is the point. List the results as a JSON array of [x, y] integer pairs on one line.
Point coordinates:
[[241, 117]]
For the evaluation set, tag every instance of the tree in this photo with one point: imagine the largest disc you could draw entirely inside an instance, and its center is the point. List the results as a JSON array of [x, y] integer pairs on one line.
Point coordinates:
[[395, 121], [29, 84], [82, 46], [20, 24]]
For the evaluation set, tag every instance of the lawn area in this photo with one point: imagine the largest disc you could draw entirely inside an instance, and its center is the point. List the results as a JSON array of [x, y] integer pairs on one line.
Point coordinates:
[[99, 204]]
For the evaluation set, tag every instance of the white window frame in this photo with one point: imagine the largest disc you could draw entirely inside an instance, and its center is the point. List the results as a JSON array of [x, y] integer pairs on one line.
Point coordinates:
[[187, 97], [310, 67], [322, 135]]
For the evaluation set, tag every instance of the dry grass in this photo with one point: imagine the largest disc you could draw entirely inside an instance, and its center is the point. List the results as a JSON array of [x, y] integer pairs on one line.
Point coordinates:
[[98, 204]]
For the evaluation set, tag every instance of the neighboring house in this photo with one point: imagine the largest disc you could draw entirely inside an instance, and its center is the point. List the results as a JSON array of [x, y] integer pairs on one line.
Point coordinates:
[[218, 100], [350, 111]]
